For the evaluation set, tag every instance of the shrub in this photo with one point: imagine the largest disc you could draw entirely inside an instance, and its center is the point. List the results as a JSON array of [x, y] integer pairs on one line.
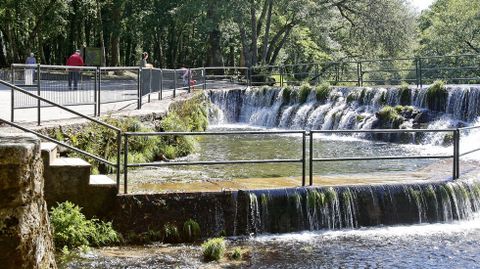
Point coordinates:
[[72, 230], [322, 92], [170, 233], [236, 254], [191, 230], [214, 249], [305, 90], [287, 94], [437, 96], [405, 94]]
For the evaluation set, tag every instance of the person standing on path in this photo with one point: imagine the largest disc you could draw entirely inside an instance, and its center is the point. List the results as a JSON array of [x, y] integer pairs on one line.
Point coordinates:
[[74, 74], [29, 71]]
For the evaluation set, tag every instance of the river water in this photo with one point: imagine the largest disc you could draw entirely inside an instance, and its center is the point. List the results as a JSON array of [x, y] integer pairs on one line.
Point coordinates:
[[444, 245], [274, 146]]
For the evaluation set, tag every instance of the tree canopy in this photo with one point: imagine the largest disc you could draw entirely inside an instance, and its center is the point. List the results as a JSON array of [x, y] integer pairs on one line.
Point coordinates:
[[231, 32]]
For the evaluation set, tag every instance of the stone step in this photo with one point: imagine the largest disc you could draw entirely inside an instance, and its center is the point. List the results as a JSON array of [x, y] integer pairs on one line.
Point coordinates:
[[69, 162], [49, 151], [101, 181]]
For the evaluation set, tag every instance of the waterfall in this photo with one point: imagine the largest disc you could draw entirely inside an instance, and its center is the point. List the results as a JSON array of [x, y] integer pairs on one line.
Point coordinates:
[[315, 208], [344, 108]]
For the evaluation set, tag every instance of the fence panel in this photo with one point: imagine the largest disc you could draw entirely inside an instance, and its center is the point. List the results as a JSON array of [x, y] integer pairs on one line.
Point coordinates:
[[64, 85], [118, 84]]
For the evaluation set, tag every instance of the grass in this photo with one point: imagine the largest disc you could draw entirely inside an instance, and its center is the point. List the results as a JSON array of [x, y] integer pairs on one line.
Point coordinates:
[[214, 249], [191, 230], [305, 90], [437, 96], [322, 92]]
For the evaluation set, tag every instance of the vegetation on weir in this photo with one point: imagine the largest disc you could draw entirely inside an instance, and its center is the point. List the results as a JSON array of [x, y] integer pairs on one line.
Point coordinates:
[[186, 115], [71, 229], [214, 249], [322, 92], [437, 96]]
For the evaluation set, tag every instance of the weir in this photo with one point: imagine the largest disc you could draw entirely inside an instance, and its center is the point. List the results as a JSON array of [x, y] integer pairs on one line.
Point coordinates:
[[243, 212]]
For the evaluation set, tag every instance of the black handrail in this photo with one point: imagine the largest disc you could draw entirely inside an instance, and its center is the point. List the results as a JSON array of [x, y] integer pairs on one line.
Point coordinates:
[[117, 130]]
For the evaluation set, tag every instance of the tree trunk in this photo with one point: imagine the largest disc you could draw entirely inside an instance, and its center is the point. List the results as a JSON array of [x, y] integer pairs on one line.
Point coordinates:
[[3, 51], [115, 37], [214, 54], [253, 44], [100, 34], [267, 32]]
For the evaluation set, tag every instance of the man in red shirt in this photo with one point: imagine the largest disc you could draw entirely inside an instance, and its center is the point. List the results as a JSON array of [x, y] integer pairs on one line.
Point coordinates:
[[74, 74]]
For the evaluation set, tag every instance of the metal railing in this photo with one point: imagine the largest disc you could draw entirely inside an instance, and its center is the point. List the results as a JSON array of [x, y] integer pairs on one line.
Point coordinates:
[[419, 70], [94, 86], [127, 165], [116, 165], [455, 156]]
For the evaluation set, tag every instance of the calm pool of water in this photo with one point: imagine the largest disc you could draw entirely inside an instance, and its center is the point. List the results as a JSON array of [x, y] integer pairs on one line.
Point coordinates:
[[450, 245], [248, 147]]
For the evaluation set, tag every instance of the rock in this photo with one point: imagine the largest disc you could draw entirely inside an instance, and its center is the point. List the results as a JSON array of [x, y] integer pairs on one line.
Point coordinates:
[[25, 236]]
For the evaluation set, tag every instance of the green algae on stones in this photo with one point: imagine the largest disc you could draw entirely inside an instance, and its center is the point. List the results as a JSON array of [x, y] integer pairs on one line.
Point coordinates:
[[437, 96]]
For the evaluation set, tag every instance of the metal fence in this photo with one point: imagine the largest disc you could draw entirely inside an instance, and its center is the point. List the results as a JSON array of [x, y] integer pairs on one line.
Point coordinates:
[[312, 158], [454, 69], [96, 86]]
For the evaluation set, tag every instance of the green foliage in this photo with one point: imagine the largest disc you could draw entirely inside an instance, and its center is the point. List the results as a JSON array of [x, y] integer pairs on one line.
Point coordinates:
[[305, 90], [437, 96], [322, 92], [72, 230], [405, 94], [191, 230], [214, 249], [171, 234], [388, 113], [187, 115], [287, 94], [236, 254]]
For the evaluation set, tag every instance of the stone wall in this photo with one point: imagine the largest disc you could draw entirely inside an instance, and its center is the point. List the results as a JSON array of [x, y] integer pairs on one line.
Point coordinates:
[[25, 236]]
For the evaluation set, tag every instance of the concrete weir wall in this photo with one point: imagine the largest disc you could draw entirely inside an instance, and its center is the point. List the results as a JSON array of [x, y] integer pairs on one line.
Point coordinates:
[[25, 236]]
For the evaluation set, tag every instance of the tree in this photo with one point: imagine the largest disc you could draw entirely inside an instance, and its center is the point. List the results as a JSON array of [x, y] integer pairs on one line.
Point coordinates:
[[450, 27]]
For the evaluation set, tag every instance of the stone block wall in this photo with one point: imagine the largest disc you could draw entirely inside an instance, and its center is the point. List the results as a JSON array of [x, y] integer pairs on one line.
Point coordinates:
[[25, 236]]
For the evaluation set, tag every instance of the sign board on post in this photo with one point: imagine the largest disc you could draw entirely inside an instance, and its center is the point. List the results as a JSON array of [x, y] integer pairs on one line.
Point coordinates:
[[93, 56]]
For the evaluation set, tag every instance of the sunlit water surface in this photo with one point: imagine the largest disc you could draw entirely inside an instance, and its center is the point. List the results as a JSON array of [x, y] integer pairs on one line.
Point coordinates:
[[452, 245]]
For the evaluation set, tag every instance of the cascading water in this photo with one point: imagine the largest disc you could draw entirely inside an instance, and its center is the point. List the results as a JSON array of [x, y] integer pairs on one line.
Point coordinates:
[[344, 108], [316, 208]]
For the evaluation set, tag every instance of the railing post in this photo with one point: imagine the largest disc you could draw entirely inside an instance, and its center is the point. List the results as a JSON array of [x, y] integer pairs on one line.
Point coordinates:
[[174, 83], [310, 159], [119, 154], [204, 75], [282, 69], [420, 75], [39, 119], [150, 84], [456, 154], [337, 73], [95, 91], [304, 144], [160, 93], [189, 77], [359, 66], [249, 77], [416, 73], [12, 97], [139, 86], [125, 165]]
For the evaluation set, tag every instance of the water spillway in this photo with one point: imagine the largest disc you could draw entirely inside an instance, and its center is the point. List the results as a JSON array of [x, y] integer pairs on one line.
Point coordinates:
[[347, 108]]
